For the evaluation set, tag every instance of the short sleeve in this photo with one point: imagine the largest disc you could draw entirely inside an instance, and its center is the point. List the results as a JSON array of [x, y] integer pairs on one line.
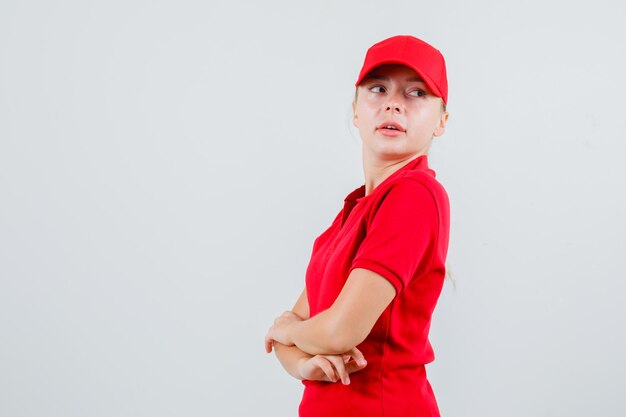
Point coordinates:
[[401, 237]]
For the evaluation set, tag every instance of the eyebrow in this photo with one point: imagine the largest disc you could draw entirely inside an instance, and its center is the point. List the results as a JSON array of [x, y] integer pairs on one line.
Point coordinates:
[[381, 77]]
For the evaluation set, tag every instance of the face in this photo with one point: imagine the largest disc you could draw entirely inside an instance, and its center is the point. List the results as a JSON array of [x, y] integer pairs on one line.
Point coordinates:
[[394, 95]]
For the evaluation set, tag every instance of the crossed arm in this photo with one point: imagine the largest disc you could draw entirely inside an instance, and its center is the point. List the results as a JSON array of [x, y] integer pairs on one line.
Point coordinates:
[[336, 330]]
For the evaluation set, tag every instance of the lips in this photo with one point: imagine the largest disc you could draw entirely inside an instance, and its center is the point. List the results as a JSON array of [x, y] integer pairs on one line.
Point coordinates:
[[391, 126]]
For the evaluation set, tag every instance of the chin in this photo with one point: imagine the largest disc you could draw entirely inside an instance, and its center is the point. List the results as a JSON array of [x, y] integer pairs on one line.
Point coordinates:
[[390, 155]]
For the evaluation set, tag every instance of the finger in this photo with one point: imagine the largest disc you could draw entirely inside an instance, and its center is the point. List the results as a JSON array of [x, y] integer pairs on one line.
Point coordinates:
[[358, 356], [269, 342], [287, 315], [297, 316], [352, 367], [327, 368], [339, 367]]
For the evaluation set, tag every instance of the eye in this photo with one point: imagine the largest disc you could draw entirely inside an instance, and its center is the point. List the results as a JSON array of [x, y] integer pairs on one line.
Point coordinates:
[[418, 93], [375, 87]]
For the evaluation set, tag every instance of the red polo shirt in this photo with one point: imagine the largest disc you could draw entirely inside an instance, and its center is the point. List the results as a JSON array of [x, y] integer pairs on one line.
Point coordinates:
[[400, 231]]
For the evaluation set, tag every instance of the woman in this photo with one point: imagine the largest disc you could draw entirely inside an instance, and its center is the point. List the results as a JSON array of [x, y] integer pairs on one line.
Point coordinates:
[[376, 273]]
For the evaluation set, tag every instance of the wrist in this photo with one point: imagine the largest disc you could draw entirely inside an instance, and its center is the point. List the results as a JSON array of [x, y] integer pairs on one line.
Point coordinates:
[[290, 332], [300, 365]]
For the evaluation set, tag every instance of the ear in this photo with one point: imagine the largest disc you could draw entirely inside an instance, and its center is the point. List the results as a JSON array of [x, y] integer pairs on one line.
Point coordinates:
[[441, 126], [354, 115]]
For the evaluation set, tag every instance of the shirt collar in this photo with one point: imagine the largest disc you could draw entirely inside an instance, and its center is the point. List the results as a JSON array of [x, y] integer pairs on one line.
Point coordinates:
[[419, 163]]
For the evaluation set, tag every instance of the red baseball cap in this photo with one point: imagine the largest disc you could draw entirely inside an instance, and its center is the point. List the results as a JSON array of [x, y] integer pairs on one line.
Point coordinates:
[[415, 54]]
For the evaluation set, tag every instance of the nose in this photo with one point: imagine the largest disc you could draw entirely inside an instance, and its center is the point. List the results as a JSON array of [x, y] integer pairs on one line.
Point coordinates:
[[392, 104], [392, 107]]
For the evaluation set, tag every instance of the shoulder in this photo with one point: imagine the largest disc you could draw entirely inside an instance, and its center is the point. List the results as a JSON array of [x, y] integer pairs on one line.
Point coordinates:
[[411, 197], [418, 186], [427, 181]]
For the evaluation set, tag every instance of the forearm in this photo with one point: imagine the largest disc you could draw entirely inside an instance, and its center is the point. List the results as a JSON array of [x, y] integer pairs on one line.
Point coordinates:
[[321, 334], [289, 357]]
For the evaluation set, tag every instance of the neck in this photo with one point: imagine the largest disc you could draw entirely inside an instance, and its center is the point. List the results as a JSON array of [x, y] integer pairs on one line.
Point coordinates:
[[376, 170]]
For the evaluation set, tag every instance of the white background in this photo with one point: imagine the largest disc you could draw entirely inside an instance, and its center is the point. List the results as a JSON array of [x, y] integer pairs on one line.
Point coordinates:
[[165, 167]]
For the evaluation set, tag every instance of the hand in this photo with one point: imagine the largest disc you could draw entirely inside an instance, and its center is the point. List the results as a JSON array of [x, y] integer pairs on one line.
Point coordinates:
[[280, 330], [332, 368]]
